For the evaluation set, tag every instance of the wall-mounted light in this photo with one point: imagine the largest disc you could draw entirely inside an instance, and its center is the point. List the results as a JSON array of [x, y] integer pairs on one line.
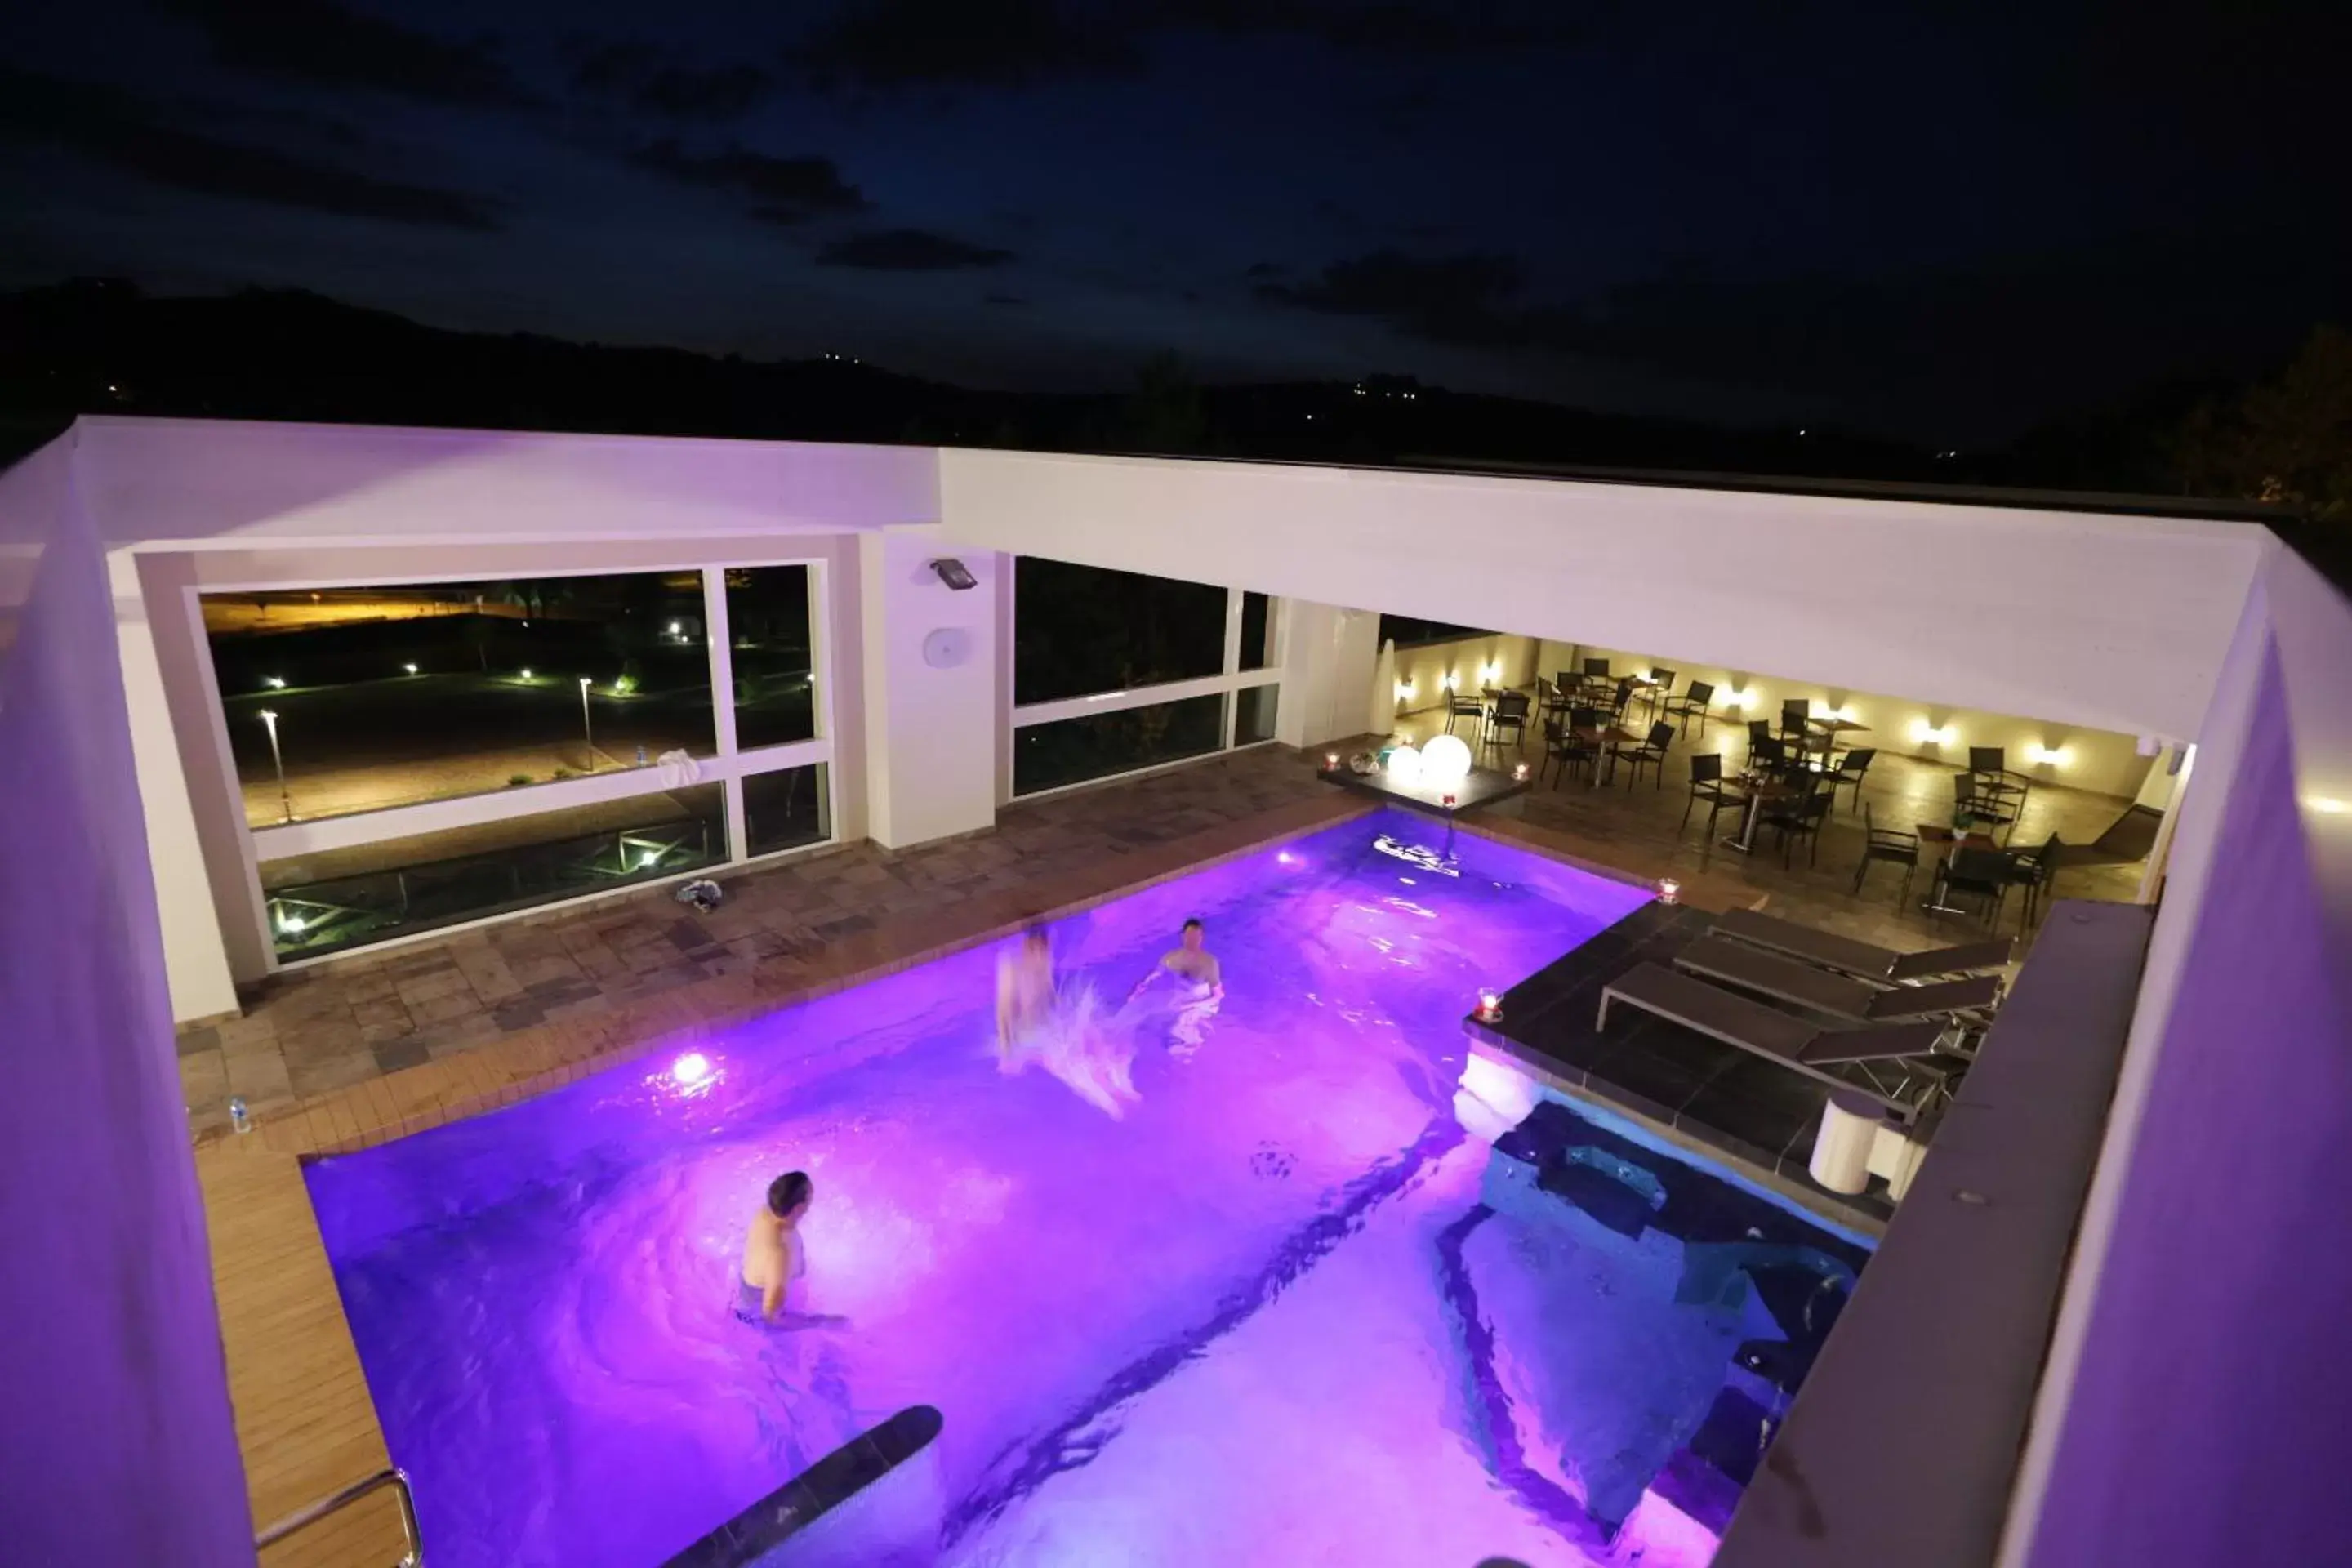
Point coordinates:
[[1742, 699], [1449, 681], [1488, 674], [953, 573], [1404, 690], [2326, 805], [2041, 755], [1843, 715], [1928, 734]]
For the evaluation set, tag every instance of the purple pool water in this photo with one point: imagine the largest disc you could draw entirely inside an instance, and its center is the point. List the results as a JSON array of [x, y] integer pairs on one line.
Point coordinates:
[[1217, 1330]]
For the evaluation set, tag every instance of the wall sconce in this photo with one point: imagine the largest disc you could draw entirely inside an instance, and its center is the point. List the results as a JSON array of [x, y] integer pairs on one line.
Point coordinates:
[[1449, 681], [1404, 690], [2326, 805], [2046, 756], [1489, 673], [953, 573], [1741, 700], [1927, 734]]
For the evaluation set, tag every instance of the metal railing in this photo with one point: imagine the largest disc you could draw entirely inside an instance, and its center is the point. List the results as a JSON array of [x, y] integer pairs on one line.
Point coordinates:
[[303, 1518]]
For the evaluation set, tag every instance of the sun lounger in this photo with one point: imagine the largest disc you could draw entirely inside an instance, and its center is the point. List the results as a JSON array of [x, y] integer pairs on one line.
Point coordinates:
[[1808, 985], [1847, 956], [1764, 1029]]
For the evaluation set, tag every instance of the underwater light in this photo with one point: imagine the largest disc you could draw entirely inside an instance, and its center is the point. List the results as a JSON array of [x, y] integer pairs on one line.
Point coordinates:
[[689, 1070]]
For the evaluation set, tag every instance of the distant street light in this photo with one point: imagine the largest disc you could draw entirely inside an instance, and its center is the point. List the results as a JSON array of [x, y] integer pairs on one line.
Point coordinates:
[[276, 756], [410, 668], [275, 682], [526, 672], [586, 730]]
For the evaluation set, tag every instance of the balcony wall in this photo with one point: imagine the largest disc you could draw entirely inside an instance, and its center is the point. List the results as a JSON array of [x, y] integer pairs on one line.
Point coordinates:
[[116, 1443]]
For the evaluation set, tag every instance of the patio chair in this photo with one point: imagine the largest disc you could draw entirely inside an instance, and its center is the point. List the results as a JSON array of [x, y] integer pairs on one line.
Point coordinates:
[[1889, 844], [1698, 703], [1564, 747], [1649, 754], [1801, 818], [1759, 731], [2034, 870], [1852, 768], [1784, 979], [1508, 718], [1596, 669], [1707, 784], [1972, 801], [1764, 1030], [1794, 712], [1464, 705], [1661, 685], [1990, 762], [1866, 960], [1766, 755], [1980, 874]]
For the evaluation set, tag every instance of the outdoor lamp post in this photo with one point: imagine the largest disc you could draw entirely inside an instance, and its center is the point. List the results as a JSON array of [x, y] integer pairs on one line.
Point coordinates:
[[586, 730], [278, 758]]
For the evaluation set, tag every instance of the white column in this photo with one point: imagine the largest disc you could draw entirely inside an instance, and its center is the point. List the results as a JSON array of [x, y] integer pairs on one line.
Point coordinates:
[[1841, 1148], [1327, 655], [931, 718], [718, 638], [195, 959]]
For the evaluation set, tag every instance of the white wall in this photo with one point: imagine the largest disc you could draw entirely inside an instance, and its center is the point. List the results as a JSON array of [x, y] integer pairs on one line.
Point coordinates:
[[931, 733], [2088, 759], [1327, 654], [194, 482], [2094, 622], [1425, 669]]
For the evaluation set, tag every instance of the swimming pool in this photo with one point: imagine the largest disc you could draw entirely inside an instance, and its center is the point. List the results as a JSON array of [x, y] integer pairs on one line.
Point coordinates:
[[1276, 1313]]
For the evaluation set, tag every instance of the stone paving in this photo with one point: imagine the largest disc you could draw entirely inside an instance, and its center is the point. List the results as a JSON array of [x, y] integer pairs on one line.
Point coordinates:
[[788, 930]]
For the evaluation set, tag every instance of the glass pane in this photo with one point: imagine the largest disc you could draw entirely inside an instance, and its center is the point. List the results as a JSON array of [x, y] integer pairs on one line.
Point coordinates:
[[1071, 750], [1257, 631], [1253, 720], [382, 697], [1079, 630], [341, 899], [771, 648], [785, 809]]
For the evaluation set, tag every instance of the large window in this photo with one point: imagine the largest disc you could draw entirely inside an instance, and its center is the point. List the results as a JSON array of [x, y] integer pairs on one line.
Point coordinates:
[[1095, 745], [348, 700], [326, 902], [1081, 629], [786, 809], [1257, 631], [772, 652]]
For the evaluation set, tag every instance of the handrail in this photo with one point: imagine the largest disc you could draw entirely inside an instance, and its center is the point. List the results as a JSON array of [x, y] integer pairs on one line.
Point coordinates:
[[303, 1518]]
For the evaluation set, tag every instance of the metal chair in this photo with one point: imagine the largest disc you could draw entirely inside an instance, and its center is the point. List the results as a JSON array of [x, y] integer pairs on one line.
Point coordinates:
[[1981, 874], [1698, 703], [1972, 803], [1596, 669], [1801, 818], [2034, 870], [1707, 784], [1851, 769], [1885, 844], [1507, 717], [1464, 705], [1569, 749], [1661, 685], [1651, 753]]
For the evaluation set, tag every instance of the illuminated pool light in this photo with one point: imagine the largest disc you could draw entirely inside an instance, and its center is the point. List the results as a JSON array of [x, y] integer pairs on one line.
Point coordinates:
[[1284, 857], [690, 1069]]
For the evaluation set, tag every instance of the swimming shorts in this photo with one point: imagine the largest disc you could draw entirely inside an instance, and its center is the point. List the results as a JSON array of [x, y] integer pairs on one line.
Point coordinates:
[[747, 1300]]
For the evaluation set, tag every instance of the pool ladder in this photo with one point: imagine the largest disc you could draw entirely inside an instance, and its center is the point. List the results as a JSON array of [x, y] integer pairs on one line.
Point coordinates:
[[303, 1518]]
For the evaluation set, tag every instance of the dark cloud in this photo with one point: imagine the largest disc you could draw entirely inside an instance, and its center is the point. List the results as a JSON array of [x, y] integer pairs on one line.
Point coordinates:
[[887, 45], [908, 250], [1005, 299], [318, 41], [1261, 271], [636, 75], [1467, 298], [882, 46], [789, 190], [115, 128]]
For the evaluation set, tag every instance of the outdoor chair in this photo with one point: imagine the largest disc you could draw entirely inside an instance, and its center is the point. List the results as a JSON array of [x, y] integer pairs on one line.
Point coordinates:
[[1759, 731], [1979, 874], [1596, 669], [1464, 705], [1852, 767], [1989, 760], [1766, 756], [1803, 1047], [1794, 712], [1507, 719], [1888, 843], [1801, 818], [1707, 784], [1697, 703], [1649, 754], [1570, 749], [1866, 960], [1660, 687], [1972, 803], [2032, 870], [1732, 962]]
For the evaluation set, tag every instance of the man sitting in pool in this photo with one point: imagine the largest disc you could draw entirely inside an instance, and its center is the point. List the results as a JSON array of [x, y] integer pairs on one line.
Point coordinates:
[[1200, 987], [772, 1257]]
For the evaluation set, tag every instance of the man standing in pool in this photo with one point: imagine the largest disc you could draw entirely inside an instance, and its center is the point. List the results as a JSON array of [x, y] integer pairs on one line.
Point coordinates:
[[772, 1257], [1200, 987]]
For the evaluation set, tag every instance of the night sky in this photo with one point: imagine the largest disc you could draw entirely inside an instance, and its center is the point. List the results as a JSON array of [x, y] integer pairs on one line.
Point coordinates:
[[1944, 221]]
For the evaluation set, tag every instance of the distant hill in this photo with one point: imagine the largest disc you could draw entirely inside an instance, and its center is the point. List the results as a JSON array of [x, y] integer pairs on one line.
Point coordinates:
[[100, 346]]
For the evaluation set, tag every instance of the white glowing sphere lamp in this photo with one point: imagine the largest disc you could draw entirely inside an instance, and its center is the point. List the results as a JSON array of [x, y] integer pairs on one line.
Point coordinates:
[[1445, 759], [1404, 766]]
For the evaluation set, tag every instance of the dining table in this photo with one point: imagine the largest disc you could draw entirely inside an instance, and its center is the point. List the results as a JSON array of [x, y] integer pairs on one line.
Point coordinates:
[[1607, 737], [1759, 788], [1828, 732]]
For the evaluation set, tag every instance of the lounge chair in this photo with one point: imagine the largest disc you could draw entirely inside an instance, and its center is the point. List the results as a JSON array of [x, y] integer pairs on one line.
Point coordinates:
[[1847, 956], [1901, 1089], [1809, 986]]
